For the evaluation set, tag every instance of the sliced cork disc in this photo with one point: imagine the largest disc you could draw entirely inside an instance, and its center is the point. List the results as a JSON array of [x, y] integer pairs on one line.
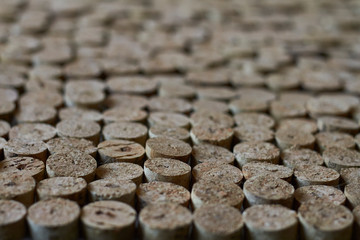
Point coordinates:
[[177, 91], [167, 170], [160, 221], [124, 114], [349, 175], [25, 148], [169, 119], [132, 85], [215, 93], [268, 190], [71, 188], [252, 133], [301, 124], [214, 192], [217, 221], [247, 105], [125, 100], [210, 105], [318, 107], [286, 138], [211, 118], [356, 229], [168, 148], [33, 131], [54, 218], [315, 175], [323, 193], [217, 171], [120, 151], [48, 98], [172, 132], [83, 97], [2, 145], [211, 153], [219, 136], [12, 220], [283, 109], [24, 166], [294, 157], [108, 220], [256, 151], [17, 187], [4, 129], [121, 171], [326, 140], [352, 193], [112, 189], [7, 109], [36, 114], [165, 104], [338, 158], [270, 222], [63, 145], [126, 131], [253, 169], [79, 129], [80, 113], [71, 164], [338, 124]]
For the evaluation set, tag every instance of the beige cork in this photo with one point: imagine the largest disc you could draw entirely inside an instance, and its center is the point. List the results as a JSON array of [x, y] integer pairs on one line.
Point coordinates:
[[247, 105], [256, 151], [325, 221], [33, 131], [48, 98], [108, 220], [82, 68], [318, 107], [79, 129], [301, 124], [306, 175], [25, 148], [167, 170], [211, 153], [217, 171], [323, 193], [214, 192], [126, 131], [325, 140], [121, 171], [270, 222], [356, 229], [54, 218], [16, 187], [211, 118], [120, 151], [12, 220], [168, 148], [8, 95], [71, 188], [126, 100], [317, 81], [63, 145], [161, 221], [36, 114], [177, 91], [112, 189], [268, 190], [24, 166], [253, 169], [282, 82], [172, 132], [207, 77], [216, 93], [132, 85], [2, 145], [352, 193], [71, 164], [338, 124], [286, 138], [283, 109], [210, 105], [165, 104], [7, 109], [124, 114], [338, 158], [80, 113], [169, 119], [294, 157], [349, 175], [84, 97], [219, 136], [217, 221], [255, 119], [4, 129], [253, 133]]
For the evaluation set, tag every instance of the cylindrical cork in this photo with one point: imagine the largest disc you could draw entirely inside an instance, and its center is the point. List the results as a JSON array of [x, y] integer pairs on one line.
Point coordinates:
[[214, 192], [253, 133], [217, 171], [349, 175], [164, 104], [211, 153], [281, 109], [24, 166], [63, 145], [325, 221], [48, 98], [36, 114], [207, 105], [2, 145], [112, 189], [7, 108], [4, 129], [256, 151], [167, 170], [55, 218], [352, 193], [320, 193], [219, 136], [25, 148], [33, 131], [338, 158], [163, 147], [162, 221], [71, 188], [356, 233], [16, 187], [172, 132], [126, 131], [217, 221], [108, 220], [294, 157], [315, 175], [268, 190], [286, 138], [124, 114], [253, 169], [120, 151], [177, 91], [302, 124], [247, 105], [325, 140], [255, 119], [126, 100], [71, 164], [338, 124], [270, 222], [136, 85], [121, 171], [169, 119], [12, 220], [80, 113], [79, 129], [83, 97], [154, 192], [211, 118]]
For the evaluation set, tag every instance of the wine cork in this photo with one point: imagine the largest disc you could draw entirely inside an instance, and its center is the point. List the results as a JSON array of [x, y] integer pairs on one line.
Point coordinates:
[[247, 105], [325, 140], [12, 220], [301, 124], [317, 193], [315, 175], [318, 107], [124, 114], [215, 221], [108, 220], [17, 187], [356, 228], [164, 147], [71, 164], [4, 129], [351, 192], [120, 151], [121, 171], [270, 222], [8, 95], [33, 131], [126, 101], [294, 157], [112, 189], [318, 81], [126, 131], [71, 188], [325, 221], [213, 192], [256, 94], [52, 99], [284, 109], [211, 118], [84, 97], [36, 114], [338, 158], [219, 136], [282, 82], [338, 124], [165, 220], [172, 132], [207, 78], [167, 170], [215, 93], [53, 218], [177, 91], [217, 171], [2, 145], [165, 104], [210, 105], [25, 148], [115, 67], [255, 119], [83, 68], [252, 133], [132, 85], [80, 113], [286, 138], [79, 129], [24, 166], [169, 119], [45, 72], [349, 175], [156, 192], [247, 79], [256, 151], [210, 153], [63, 145], [6, 110], [253, 169]]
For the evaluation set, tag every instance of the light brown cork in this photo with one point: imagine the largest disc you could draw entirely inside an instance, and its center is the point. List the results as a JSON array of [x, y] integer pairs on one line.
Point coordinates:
[[25, 148], [172, 132], [4, 129], [169, 119], [126, 131], [33, 131], [338, 124], [48, 98], [36, 114], [121, 171], [255, 119], [168, 148], [7, 109], [217, 171], [17, 187], [124, 114], [286, 138], [247, 105], [256, 151], [126, 100], [211, 153], [253, 169], [323, 193], [318, 107], [338, 158], [211, 118], [12, 220], [210, 105], [80, 113], [294, 157], [306, 175], [349, 175], [252, 133], [165, 104], [63, 145], [24, 166], [283, 109], [79, 129], [132, 85], [301, 124], [352, 193], [326, 140], [219, 136]]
